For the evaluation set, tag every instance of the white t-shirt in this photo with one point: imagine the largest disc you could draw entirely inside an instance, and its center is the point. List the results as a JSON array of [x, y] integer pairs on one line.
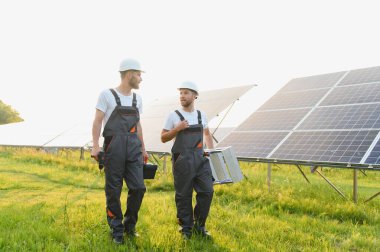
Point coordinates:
[[192, 117], [107, 102]]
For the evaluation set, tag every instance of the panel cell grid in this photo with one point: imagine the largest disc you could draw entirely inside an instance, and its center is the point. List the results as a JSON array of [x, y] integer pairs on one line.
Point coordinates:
[[253, 144], [374, 156], [353, 94], [302, 99], [312, 82], [326, 146], [273, 120], [359, 76], [366, 116]]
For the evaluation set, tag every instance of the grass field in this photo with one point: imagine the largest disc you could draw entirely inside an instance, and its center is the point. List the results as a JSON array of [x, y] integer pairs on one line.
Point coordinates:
[[56, 203]]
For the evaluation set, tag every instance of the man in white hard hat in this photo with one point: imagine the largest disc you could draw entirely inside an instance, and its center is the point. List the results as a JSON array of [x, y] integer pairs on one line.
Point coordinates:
[[191, 169], [119, 110]]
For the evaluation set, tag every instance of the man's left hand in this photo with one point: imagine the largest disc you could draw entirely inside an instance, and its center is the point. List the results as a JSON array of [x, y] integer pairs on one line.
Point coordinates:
[[145, 157]]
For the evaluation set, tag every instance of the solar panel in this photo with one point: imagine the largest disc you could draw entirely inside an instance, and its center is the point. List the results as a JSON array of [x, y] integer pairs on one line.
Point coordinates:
[[353, 94], [28, 133], [359, 76], [221, 132], [294, 99], [329, 146], [273, 120], [313, 82], [77, 136], [326, 118], [253, 144], [365, 116]]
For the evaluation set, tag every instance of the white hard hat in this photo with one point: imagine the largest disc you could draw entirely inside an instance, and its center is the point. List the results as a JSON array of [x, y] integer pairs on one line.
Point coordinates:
[[129, 64], [189, 85]]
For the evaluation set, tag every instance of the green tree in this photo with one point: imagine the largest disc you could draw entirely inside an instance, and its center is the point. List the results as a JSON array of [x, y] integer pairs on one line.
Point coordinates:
[[8, 114]]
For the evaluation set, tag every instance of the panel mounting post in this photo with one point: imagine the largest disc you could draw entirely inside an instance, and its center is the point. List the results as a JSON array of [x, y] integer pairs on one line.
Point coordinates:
[[164, 164], [269, 175], [355, 187]]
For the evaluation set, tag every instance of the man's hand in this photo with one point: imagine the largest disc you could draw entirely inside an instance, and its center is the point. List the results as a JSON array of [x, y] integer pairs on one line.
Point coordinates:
[[94, 153], [145, 156], [182, 125], [167, 135]]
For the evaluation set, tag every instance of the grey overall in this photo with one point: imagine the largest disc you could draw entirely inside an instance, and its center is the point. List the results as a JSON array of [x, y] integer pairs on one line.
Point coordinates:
[[191, 170], [123, 160]]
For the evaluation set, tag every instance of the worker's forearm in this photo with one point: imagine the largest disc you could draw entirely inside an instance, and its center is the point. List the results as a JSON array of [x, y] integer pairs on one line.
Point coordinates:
[[140, 135], [96, 128], [168, 135], [209, 142]]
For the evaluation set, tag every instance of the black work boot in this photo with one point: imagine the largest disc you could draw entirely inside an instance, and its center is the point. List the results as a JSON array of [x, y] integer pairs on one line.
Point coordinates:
[[131, 232], [118, 240], [202, 231], [186, 233]]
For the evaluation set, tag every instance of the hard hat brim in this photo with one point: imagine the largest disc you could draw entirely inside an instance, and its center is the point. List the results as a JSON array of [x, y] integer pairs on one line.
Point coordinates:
[[131, 70], [189, 89]]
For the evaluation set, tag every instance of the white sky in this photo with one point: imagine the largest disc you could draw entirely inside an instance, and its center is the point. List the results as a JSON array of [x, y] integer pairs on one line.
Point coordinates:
[[56, 56]]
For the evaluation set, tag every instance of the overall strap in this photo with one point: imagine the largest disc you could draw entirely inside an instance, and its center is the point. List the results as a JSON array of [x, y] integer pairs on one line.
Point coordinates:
[[116, 97], [134, 101], [180, 115], [199, 117]]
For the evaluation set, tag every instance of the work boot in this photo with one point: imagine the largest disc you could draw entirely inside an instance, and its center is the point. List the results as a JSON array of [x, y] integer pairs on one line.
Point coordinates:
[[131, 233], [186, 233], [202, 231], [118, 240]]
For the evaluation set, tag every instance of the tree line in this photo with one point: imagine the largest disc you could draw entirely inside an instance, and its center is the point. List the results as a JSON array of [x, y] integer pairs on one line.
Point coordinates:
[[8, 114]]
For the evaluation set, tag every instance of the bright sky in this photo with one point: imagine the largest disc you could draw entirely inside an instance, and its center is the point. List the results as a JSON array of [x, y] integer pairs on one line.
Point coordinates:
[[56, 56]]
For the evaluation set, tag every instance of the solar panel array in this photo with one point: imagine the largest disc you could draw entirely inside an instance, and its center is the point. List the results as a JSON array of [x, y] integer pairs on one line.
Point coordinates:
[[332, 118]]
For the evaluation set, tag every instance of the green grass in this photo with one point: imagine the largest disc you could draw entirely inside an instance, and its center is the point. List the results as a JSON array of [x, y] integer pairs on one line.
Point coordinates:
[[56, 203]]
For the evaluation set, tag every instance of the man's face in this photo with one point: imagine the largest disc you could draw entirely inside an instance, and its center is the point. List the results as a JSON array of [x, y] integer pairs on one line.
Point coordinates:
[[135, 79], [186, 97]]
